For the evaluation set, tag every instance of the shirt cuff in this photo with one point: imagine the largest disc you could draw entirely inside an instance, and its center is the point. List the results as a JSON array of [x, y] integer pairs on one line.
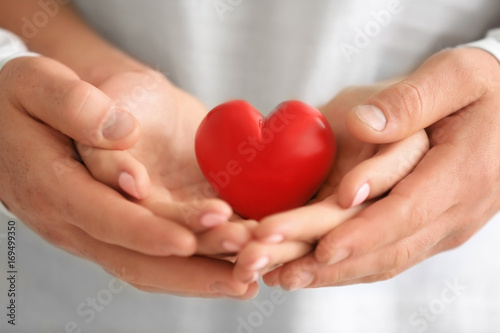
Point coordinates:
[[12, 47], [490, 44]]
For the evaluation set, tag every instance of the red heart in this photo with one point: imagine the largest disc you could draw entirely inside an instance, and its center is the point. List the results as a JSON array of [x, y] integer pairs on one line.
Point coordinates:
[[260, 165]]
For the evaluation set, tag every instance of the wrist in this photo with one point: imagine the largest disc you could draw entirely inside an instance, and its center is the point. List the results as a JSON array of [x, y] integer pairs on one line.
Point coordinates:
[[69, 40]]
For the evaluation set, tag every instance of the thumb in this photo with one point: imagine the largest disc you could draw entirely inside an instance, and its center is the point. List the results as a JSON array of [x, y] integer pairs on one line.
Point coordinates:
[[445, 83], [54, 94]]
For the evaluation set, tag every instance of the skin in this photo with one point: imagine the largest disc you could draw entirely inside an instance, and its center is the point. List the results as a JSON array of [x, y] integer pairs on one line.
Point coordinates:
[[447, 96], [450, 195], [47, 99], [381, 166], [356, 163]]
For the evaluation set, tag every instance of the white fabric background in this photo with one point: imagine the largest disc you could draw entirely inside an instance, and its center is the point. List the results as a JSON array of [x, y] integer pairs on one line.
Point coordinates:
[[266, 52]]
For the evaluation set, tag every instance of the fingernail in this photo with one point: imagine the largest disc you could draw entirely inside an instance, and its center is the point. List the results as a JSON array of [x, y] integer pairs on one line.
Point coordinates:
[[221, 287], [254, 278], [127, 183], [273, 239], [230, 246], [211, 220], [118, 125], [302, 280], [372, 116], [339, 255], [361, 195], [274, 283], [259, 264]]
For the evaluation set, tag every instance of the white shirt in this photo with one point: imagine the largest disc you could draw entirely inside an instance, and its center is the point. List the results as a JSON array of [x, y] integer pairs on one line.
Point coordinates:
[[267, 51]]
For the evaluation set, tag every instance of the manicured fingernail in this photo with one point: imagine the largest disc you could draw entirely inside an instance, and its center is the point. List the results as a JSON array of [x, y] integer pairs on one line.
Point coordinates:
[[273, 239], [302, 280], [230, 246], [259, 264], [211, 220], [361, 195], [118, 125], [127, 183], [372, 116], [339, 255]]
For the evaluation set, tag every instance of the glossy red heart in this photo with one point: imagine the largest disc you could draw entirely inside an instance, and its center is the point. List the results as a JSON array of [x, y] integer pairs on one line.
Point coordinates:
[[260, 165]]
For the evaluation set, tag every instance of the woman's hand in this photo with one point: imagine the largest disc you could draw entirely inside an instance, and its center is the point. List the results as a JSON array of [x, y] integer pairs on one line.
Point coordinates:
[[179, 192], [361, 171]]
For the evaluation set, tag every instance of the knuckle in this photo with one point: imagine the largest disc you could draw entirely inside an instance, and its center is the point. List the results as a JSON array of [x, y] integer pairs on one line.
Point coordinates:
[[398, 259], [331, 276], [464, 69], [326, 248], [74, 100], [410, 109], [415, 214], [74, 106], [473, 73]]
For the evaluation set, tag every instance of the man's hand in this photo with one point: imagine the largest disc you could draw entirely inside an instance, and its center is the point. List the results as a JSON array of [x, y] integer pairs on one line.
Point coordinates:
[[452, 192], [47, 188]]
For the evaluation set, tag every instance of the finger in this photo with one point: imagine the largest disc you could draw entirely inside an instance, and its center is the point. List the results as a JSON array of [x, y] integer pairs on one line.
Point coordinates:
[[445, 83], [411, 206], [271, 278], [119, 221], [190, 278], [390, 260], [381, 264], [380, 173], [251, 293], [183, 276], [228, 238], [51, 92], [66, 186], [257, 258], [197, 216], [451, 241], [116, 168], [297, 274], [307, 223]]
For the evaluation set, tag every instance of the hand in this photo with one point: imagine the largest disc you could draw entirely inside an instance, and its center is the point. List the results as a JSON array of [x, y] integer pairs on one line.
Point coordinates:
[[450, 195], [361, 171], [43, 184], [169, 118]]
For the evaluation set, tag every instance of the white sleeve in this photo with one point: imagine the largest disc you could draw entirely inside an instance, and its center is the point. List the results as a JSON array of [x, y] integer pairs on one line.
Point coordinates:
[[12, 47], [491, 43]]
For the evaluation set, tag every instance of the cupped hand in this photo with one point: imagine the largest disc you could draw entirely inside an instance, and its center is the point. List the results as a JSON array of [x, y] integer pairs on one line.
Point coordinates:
[[450, 195], [361, 172], [44, 184], [177, 190]]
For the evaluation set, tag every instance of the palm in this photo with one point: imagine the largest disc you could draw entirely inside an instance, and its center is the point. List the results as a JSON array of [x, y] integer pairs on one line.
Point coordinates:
[[169, 119]]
